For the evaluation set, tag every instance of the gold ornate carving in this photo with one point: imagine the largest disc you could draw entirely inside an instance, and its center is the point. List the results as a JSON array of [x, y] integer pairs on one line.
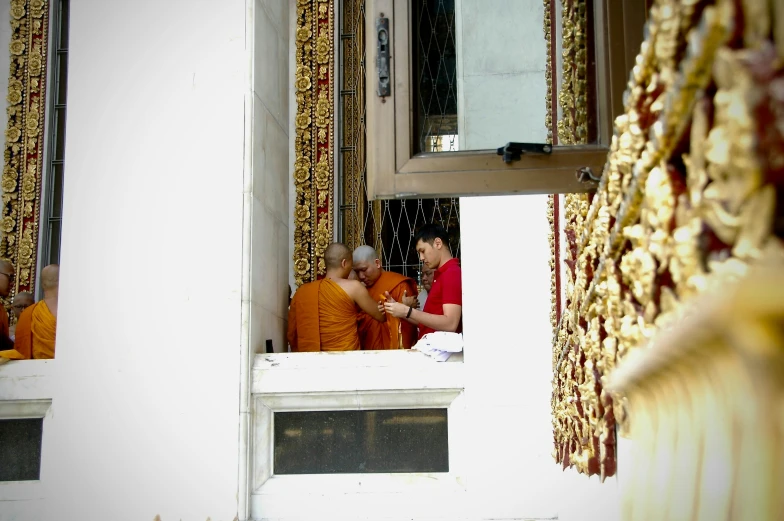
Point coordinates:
[[24, 139], [672, 208], [314, 139], [573, 95]]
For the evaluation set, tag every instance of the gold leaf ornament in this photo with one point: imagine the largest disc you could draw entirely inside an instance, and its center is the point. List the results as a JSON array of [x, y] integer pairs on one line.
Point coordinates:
[[322, 48], [302, 169], [322, 174], [302, 213], [17, 47], [303, 82], [8, 224]]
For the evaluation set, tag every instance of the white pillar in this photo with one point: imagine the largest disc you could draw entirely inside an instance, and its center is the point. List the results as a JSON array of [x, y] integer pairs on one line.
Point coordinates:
[[506, 280], [147, 387]]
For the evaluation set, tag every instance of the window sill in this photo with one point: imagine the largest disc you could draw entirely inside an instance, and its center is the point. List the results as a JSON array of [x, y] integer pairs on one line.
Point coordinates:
[[26, 380], [398, 370]]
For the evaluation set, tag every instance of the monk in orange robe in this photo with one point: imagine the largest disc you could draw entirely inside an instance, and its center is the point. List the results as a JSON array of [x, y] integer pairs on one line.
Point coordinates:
[[37, 325], [323, 313], [394, 333], [6, 277]]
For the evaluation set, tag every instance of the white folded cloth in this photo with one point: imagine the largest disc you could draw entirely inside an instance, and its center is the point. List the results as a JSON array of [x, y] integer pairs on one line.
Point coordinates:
[[440, 345]]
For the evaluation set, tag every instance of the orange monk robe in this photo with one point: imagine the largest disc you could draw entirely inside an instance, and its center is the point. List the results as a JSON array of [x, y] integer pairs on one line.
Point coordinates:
[[35, 332], [322, 317], [395, 333], [6, 344]]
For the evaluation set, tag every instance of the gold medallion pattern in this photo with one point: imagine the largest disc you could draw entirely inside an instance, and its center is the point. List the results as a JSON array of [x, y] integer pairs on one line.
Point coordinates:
[[24, 139], [314, 140]]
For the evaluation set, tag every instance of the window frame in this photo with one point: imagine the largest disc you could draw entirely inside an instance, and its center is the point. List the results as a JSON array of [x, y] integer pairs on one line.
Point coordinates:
[[395, 172]]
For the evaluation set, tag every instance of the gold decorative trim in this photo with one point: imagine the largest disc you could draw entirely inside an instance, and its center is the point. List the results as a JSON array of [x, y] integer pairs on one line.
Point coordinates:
[[573, 95], [314, 140], [24, 139]]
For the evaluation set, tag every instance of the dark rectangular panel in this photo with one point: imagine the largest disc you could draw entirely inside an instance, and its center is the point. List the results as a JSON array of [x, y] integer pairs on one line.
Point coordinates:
[[341, 442], [20, 449]]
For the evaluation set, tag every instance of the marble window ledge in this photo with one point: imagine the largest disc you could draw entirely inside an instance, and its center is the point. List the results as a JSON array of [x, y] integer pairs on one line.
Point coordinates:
[[367, 372], [26, 380]]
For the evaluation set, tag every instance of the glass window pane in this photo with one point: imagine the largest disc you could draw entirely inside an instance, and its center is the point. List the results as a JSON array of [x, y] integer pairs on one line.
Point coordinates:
[[478, 76], [59, 144], [20, 449], [56, 191], [64, 15], [339, 442], [62, 78], [54, 241]]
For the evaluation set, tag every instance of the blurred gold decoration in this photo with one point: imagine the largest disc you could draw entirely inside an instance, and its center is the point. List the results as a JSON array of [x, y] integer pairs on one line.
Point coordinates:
[[689, 198], [704, 402]]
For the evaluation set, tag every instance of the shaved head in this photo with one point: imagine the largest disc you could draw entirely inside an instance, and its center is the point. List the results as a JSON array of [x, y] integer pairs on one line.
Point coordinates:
[[21, 302], [335, 254], [365, 253], [6, 266], [25, 298], [50, 277], [367, 265]]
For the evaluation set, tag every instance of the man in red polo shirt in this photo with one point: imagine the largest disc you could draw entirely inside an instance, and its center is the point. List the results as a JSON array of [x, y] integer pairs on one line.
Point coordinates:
[[444, 306]]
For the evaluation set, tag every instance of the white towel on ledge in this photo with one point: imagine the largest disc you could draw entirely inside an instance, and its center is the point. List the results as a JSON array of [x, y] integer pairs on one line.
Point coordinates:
[[440, 345]]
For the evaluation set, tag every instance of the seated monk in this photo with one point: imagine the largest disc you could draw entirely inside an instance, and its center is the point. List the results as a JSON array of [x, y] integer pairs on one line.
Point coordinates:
[[37, 326], [323, 313], [22, 301], [394, 333], [6, 277]]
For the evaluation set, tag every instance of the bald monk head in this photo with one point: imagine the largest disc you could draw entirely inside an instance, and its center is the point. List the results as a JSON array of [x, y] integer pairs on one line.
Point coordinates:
[[50, 280], [337, 257], [21, 302], [367, 265], [6, 277]]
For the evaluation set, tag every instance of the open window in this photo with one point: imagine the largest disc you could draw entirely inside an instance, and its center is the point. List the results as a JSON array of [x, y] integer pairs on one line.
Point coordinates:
[[452, 82]]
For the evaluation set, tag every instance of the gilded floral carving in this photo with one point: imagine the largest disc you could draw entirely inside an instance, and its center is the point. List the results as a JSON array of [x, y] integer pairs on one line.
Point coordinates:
[[21, 179], [689, 196], [314, 147]]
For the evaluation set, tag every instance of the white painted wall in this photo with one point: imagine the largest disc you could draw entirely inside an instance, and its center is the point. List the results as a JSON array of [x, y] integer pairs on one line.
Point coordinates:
[[271, 123], [506, 319], [145, 417]]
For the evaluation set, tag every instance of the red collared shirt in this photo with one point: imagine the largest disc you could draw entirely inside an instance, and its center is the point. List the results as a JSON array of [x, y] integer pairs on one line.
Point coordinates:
[[447, 288]]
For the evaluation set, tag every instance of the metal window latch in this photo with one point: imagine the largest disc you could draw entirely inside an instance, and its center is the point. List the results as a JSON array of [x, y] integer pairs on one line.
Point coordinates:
[[586, 176], [514, 151], [382, 41]]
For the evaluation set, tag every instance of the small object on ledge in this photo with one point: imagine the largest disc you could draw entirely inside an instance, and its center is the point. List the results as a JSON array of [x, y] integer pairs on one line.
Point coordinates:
[[440, 345]]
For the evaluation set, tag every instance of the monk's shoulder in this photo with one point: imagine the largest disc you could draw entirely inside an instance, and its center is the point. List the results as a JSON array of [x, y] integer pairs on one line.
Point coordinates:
[[352, 287]]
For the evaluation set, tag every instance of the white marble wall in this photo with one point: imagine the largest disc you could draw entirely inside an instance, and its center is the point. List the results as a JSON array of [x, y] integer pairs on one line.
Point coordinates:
[[271, 178], [146, 401]]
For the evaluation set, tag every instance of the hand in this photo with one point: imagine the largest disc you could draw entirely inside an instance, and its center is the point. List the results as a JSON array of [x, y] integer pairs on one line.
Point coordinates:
[[410, 301], [394, 308]]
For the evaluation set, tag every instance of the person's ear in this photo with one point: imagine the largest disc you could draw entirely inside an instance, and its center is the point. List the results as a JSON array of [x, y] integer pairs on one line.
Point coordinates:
[[437, 243], [378, 263]]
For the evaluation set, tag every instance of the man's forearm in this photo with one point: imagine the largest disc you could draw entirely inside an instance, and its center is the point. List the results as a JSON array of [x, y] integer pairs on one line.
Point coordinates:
[[437, 322]]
